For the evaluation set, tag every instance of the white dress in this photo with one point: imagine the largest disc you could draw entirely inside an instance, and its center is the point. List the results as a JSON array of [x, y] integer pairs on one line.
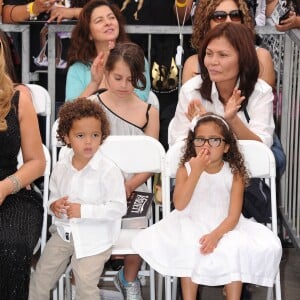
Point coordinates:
[[249, 253]]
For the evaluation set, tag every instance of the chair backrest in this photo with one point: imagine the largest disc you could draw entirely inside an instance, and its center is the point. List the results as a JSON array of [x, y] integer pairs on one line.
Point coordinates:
[[42, 104], [135, 154], [44, 192], [259, 161], [152, 99]]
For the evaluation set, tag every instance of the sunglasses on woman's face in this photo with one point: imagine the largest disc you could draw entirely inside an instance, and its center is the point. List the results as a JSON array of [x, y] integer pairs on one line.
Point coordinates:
[[221, 16]]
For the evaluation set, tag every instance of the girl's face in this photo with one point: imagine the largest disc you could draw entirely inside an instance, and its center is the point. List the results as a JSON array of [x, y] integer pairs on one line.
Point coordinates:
[[214, 143], [222, 61], [225, 6], [119, 80], [104, 25], [84, 137]]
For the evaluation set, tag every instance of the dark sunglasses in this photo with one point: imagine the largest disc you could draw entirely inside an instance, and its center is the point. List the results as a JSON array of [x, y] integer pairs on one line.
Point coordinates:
[[221, 16]]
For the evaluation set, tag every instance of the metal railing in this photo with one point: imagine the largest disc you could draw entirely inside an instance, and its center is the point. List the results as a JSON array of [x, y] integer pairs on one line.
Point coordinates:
[[25, 33], [290, 136]]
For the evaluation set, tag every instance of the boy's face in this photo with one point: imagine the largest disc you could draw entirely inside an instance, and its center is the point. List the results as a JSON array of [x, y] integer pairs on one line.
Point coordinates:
[[84, 138]]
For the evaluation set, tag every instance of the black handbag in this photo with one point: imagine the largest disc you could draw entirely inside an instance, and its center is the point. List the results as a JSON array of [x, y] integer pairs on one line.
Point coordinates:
[[257, 201]]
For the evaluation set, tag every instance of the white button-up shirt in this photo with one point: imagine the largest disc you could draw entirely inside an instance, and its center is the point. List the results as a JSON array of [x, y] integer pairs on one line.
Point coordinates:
[[99, 188], [259, 108]]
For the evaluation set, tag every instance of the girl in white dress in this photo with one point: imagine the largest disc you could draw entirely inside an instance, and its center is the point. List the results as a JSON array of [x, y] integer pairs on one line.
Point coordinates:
[[206, 240]]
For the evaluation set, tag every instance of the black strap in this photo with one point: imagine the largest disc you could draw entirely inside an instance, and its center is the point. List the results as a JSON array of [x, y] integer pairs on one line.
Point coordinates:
[[246, 114], [147, 116]]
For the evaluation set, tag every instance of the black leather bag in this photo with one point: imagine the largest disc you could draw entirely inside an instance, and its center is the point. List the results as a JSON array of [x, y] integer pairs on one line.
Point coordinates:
[[257, 201]]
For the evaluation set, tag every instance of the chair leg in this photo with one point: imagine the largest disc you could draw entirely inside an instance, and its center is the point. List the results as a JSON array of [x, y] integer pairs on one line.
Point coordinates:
[[174, 288], [159, 286], [270, 293], [152, 284], [61, 293], [54, 294], [167, 288], [278, 287]]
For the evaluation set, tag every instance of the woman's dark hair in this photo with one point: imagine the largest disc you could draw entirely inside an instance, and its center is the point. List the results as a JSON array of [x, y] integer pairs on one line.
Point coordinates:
[[77, 110], [241, 39], [82, 48], [233, 156], [133, 56]]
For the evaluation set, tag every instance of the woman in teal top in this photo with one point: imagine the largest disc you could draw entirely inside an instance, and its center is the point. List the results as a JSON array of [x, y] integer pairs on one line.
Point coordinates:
[[99, 27]]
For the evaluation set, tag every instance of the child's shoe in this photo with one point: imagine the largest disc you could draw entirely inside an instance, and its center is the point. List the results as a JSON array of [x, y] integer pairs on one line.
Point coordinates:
[[129, 290], [62, 64], [41, 62]]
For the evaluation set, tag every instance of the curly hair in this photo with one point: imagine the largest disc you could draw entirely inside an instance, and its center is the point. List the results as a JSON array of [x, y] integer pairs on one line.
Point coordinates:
[[241, 39], [133, 55], [201, 21], [233, 156], [6, 88], [82, 48], [77, 110]]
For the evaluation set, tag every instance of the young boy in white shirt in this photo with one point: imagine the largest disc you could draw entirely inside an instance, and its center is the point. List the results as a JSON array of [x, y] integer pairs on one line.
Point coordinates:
[[87, 200]]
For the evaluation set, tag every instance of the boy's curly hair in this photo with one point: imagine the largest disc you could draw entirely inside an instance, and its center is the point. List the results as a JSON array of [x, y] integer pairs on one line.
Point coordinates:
[[233, 156], [77, 110]]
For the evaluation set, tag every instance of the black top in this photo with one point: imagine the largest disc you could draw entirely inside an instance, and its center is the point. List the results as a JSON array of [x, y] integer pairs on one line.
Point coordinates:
[[10, 140]]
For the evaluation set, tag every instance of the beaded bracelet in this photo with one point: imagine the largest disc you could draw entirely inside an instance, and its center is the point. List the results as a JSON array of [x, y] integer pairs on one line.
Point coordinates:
[[178, 4], [16, 183]]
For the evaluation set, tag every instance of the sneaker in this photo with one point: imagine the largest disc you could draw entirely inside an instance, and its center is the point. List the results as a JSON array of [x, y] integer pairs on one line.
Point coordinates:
[[41, 62], [130, 292], [62, 64]]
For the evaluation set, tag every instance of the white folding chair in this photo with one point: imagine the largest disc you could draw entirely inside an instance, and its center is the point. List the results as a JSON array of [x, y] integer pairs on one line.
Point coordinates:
[[138, 154], [42, 104], [260, 162], [45, 194]]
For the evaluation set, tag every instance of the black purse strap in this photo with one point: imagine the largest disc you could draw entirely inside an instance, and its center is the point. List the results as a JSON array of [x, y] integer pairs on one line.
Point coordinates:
[[246, 114]]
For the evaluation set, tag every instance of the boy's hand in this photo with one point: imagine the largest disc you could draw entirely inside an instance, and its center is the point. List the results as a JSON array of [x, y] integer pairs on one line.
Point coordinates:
[[58, 207], [73, 210]]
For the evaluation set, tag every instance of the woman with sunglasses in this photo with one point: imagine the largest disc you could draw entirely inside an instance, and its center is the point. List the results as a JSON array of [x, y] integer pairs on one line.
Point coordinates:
[[209, 14]]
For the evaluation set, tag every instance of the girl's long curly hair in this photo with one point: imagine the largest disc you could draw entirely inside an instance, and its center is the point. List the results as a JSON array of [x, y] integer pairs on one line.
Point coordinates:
[[82, 48], [6, 86], [201, 21], [233, 156], [77, 110]]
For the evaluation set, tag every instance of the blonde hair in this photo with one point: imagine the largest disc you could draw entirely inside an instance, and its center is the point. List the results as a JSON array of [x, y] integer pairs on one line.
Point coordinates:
[[201, 23], [6, 90]]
